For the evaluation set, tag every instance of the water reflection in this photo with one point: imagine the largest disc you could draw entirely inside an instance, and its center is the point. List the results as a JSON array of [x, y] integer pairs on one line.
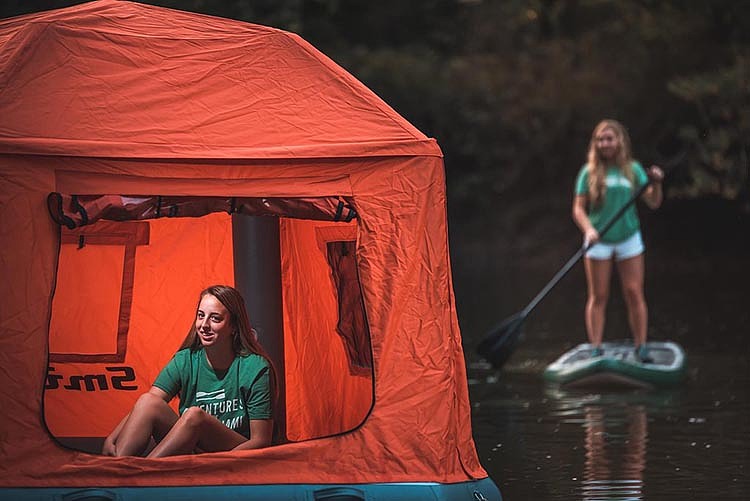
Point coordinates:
[[615, 444], [541, 442], [613, 428]]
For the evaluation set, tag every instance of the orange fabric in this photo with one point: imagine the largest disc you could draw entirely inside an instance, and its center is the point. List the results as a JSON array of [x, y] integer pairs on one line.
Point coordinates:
[[323, 395], [101, 257], [161, 78], [96, 307], [112, 97], [352, 321]]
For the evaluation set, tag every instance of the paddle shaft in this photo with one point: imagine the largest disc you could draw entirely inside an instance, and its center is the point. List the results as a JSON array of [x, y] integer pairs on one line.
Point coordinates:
[[581, 251]]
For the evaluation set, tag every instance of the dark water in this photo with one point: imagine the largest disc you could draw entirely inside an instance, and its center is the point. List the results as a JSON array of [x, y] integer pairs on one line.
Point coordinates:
[[539, 442]]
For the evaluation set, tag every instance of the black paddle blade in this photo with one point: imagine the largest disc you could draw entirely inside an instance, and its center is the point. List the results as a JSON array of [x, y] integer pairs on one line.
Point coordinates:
[[498, 345]]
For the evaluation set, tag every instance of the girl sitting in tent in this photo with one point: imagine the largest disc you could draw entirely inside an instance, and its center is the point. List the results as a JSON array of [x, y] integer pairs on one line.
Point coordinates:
[[224, 379]]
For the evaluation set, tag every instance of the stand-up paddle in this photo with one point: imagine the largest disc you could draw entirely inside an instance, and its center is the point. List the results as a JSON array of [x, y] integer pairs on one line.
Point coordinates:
[[498, 345]]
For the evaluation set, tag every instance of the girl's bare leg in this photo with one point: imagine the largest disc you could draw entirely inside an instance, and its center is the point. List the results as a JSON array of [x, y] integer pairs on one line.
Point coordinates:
[[598, 274], [631, 273], [196, 429], [151, 417]]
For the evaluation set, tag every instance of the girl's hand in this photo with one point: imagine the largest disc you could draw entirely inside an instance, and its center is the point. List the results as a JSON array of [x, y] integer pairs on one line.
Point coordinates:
[[655, 173], [590, 237]]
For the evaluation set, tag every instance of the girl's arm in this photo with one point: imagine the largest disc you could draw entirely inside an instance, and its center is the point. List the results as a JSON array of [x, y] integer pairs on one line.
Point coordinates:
[[581, 218], [261, 435], [108, 449], [653, 195]]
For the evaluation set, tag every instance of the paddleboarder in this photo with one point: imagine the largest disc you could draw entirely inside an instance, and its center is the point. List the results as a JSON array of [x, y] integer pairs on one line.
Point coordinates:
[[603, 185]]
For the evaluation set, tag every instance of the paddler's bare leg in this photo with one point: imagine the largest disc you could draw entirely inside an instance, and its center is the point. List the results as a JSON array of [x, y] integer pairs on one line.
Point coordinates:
[[598, 276]]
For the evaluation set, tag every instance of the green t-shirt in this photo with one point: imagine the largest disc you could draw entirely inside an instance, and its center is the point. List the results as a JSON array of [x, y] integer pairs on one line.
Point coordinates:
[[234, 397], [619, 191]]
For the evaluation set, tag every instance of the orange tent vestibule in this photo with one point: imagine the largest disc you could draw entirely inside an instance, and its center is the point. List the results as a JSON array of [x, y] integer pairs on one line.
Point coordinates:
[[135, 143]]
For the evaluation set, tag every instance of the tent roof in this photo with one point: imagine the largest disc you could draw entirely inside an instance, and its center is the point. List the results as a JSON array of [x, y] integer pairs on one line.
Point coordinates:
[[113, 78]]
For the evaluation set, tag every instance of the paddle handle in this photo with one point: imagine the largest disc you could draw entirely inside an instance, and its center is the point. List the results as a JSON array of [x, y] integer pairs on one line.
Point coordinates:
[[582, 250]]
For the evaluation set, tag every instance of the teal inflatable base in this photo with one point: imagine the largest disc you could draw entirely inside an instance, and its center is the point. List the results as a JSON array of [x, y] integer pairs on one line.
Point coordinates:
[[477, 490]]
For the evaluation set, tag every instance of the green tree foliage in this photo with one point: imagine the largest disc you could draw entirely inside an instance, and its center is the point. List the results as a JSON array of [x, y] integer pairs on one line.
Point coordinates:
[[720, 131], [512, 89]]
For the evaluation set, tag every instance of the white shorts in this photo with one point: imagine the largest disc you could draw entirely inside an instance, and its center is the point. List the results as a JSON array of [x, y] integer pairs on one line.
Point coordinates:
[[626, 249]]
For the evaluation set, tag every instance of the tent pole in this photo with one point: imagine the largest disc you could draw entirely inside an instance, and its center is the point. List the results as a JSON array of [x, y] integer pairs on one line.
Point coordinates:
[[257, 273]]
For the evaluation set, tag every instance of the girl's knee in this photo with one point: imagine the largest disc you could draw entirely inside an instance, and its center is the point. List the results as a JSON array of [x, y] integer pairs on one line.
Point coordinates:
[[194, 417], [633, 294], [598, 300], [147, 400]]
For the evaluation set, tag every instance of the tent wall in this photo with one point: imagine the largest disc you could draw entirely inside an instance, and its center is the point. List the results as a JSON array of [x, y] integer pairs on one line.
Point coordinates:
[[114, 97], [326, 395], [418, 428]]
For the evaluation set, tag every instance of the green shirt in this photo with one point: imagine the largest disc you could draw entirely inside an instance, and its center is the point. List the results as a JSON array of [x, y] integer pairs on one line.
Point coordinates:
[[234, 396], [619, 191]]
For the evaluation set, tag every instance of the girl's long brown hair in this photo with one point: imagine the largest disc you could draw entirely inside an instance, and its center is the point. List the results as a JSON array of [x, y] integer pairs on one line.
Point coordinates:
[[244, 338], [597, 166]]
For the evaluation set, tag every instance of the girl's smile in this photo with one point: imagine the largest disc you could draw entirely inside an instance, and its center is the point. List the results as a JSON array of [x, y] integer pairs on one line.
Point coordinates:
[[212, 322]]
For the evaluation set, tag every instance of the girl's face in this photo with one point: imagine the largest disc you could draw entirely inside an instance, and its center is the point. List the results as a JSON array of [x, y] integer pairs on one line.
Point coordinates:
[[213, 323], [607, 144]]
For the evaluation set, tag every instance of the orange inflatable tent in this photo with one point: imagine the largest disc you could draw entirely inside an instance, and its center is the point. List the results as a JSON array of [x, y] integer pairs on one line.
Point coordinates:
[[146, 153]]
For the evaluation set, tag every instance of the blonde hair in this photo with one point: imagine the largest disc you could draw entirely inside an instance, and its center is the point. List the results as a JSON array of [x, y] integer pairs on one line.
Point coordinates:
[[597, 166]]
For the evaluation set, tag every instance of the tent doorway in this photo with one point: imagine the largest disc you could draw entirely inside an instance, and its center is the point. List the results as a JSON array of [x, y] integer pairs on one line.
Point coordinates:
[[128, 280]]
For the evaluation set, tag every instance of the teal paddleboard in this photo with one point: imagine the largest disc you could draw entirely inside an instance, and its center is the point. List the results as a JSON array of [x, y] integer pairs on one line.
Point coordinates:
[[618, 366]]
